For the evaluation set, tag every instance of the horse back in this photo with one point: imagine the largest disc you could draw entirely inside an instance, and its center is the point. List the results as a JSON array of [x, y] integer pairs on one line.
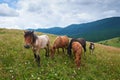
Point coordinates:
[[61, 41], [77, 47], [57, 41], [43, 41], [65, 40], [82, 41]]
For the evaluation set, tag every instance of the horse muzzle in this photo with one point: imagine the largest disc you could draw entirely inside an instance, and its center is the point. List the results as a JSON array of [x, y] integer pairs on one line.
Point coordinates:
[[26, 46]]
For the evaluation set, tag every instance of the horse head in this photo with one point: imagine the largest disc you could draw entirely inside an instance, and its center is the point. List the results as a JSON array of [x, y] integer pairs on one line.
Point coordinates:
[[28, 36], [52, 51]]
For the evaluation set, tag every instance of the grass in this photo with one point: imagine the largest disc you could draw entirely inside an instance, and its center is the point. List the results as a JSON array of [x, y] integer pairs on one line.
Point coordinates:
[[112, 42], [17, 63]]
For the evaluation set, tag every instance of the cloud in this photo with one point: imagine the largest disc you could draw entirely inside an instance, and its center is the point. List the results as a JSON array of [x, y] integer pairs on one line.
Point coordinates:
[[5, 10], [56, 13]]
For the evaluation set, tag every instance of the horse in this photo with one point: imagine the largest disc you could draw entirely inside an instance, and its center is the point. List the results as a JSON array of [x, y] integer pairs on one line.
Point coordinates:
[[82, 41], [91, 47], [59, 42], [77, 50], [36, 43]]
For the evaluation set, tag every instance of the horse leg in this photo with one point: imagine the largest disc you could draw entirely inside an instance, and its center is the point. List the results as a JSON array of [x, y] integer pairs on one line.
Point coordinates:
[[63, 50], [48, 50], [69, 51], [46, 54], [91, 51], [38, 58], [35, 56], [58, 50]]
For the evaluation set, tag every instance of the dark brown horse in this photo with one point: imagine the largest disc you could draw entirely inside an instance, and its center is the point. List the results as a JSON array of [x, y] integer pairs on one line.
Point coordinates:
[[91, 47], [36, 43], [82, 41]]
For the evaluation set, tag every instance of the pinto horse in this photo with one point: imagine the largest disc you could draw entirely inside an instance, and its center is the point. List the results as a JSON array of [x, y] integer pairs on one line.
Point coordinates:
[[60, 42], [77, 50], [36, 42], [91, 47], [80, 40]]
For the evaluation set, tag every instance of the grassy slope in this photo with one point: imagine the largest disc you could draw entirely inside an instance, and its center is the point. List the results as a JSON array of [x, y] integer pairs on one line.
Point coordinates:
[[112, 42], [18, 63]]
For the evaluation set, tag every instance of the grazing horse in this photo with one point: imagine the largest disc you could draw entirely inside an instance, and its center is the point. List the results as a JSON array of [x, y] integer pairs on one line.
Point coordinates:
[[36, 42], [81, 41], [60, 42], [77, 50], [91, 47]]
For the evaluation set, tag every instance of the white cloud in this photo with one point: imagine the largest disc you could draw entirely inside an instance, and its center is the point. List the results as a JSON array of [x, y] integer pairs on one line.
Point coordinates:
[[5, 10], [55, 13], [110, 13]]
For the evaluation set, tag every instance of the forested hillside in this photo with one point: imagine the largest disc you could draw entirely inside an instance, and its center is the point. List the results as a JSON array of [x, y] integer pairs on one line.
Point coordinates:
[[94, 31]]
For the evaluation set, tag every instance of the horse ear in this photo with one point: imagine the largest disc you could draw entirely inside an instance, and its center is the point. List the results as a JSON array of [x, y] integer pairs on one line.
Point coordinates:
[[32, 31], [24, 31]]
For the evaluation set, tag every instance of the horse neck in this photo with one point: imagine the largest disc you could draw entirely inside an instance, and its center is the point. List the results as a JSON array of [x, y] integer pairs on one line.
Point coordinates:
[[34, 38]]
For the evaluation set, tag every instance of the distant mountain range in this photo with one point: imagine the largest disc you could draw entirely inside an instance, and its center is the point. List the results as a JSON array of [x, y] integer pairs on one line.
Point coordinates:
[[93, 31]]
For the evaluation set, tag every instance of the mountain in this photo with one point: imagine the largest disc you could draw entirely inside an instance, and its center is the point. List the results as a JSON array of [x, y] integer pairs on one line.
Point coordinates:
[[54, 30], [93, 31]]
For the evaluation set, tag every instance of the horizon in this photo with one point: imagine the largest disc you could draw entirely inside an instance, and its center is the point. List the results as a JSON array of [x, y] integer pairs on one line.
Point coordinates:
[[24, 14], [73, 24]]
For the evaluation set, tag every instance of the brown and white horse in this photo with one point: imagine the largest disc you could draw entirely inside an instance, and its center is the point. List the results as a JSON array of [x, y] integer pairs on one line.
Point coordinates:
[[91, 47], [36, 42], [77, 50], [60, 42]]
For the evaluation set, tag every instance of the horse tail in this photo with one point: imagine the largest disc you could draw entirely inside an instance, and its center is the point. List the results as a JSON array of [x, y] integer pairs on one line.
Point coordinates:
[[84, 47], [48, 45]]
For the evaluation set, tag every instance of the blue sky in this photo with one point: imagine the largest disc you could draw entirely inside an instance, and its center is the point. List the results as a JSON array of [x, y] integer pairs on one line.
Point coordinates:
[[23, 14], [9, 2]]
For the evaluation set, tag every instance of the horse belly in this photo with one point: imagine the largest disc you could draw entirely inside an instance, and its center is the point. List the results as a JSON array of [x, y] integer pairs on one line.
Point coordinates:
[[43, 45]]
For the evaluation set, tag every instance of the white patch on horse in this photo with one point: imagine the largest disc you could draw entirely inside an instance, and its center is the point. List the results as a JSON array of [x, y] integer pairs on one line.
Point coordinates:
[[42, 41], [92, 46]]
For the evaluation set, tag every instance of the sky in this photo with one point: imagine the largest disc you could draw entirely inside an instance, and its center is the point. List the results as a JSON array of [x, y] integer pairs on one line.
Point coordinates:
[[23, 14]]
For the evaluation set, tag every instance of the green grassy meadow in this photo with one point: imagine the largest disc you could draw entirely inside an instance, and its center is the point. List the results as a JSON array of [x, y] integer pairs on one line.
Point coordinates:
[[17, 63], [112, 42]]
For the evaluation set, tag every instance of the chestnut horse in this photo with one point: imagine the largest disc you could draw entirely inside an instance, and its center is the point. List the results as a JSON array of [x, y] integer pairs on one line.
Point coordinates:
[[60, 42], [36, 42], [91, 47], [77, 50], [82, 41]]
